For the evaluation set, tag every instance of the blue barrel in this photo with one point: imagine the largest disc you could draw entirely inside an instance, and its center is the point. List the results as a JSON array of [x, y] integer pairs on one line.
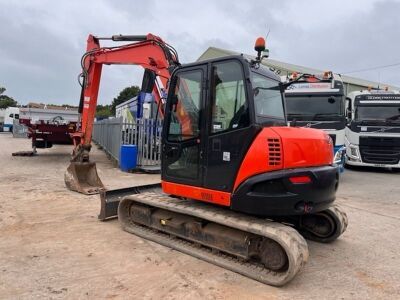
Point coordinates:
[[128, 157]]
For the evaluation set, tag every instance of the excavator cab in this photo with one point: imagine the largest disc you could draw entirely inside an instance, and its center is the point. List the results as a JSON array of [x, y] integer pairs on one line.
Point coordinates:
[[225, 141], [215, 111]]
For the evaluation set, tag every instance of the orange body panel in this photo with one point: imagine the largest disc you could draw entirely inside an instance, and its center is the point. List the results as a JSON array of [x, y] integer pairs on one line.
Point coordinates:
[[305, 147], [256, 160], [197, 193], [298, 147]]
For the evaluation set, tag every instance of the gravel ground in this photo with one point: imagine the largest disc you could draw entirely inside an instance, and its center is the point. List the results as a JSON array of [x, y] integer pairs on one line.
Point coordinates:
[[53, 246]]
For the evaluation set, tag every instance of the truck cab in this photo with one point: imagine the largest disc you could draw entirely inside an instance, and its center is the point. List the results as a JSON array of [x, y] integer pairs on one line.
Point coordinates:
[[373, 129], [318, 101], [10, 114]]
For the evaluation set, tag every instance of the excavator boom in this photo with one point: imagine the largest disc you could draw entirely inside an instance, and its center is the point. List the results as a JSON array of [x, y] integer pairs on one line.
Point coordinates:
[[148, 51]]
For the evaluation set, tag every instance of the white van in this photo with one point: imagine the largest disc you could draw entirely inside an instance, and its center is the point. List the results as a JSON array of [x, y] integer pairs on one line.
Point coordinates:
[[10, 114]]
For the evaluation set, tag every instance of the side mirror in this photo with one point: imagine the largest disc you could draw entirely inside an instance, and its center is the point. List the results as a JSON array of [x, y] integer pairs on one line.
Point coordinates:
[[348, 113], [348, 108], [331, 100], [149, 79]]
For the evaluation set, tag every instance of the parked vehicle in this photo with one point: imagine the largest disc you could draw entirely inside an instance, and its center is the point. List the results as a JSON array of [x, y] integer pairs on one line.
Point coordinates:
[[317, 101], [48, 125], [224, 142], [373, 129], [10, 114]]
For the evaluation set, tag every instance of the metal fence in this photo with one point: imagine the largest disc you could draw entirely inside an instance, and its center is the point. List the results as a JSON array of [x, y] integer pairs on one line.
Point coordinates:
[[144, 133]]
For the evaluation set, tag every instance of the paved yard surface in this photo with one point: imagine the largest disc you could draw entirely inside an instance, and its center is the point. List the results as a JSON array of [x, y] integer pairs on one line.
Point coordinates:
[[52, 246]]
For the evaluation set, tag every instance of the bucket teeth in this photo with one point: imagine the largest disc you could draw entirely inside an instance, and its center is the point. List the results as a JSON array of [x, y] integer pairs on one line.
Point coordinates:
[[83, 178]]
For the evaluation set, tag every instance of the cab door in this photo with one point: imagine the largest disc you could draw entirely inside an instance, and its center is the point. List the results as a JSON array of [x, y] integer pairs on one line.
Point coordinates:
[[229, 134], [183, 143]]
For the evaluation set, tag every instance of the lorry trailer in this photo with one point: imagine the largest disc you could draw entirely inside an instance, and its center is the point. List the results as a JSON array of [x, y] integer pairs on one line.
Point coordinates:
[[48, 126]]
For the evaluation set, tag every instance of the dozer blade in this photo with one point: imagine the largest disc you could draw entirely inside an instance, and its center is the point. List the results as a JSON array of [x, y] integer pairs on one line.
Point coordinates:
[[110, 199], [83, 178]]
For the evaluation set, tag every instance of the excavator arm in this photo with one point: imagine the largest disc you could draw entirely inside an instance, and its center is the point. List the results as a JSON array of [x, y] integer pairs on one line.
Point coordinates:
[[148, 51]]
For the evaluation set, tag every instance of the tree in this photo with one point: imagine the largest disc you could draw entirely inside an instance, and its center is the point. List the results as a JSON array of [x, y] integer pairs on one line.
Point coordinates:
[[126, 94], [103, 111], [6, 101]]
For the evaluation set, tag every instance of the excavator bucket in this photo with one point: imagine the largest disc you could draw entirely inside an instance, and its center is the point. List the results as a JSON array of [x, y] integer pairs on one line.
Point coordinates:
[[83, 178]]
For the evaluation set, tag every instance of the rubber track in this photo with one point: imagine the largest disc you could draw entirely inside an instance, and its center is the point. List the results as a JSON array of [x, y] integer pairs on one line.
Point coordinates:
[[292, 242]]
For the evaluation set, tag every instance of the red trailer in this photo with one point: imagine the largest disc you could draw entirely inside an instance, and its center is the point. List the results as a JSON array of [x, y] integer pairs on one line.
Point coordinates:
[[48, 125], [45, 134]]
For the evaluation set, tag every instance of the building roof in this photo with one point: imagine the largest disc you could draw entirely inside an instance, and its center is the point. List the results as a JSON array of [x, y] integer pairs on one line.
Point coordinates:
[[213, 52], [125, 103], [51, 106]]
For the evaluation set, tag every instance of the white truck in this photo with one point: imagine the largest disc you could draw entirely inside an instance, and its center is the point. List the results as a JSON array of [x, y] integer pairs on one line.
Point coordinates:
[[373, 129], [318, 101], [9, 115]]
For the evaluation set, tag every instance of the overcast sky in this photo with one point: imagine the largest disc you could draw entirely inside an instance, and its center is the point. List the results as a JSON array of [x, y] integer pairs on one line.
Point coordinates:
[[42, 41]]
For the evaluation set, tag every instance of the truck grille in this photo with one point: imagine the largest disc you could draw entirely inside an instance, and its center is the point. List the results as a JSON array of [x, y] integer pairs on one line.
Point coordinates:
[[274, 149], [380, 150]]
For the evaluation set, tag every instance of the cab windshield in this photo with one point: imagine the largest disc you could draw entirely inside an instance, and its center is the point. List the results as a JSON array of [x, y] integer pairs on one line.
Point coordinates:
[[268, 101], [378, 113], [314, 107]]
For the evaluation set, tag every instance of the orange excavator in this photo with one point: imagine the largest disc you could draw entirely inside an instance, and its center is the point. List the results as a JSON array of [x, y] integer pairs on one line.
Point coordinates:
[[239, 188]]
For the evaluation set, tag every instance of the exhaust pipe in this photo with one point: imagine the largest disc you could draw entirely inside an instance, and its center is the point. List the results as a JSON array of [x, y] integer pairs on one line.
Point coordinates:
[[82, 177]]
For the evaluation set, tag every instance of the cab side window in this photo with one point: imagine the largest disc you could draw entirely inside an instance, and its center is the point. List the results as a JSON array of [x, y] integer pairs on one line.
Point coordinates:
[[184, 125], [185, 115], [229, 106]]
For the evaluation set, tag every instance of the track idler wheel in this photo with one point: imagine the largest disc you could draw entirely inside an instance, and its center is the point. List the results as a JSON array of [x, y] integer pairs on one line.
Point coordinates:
[[273, 256], [325, 226]]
